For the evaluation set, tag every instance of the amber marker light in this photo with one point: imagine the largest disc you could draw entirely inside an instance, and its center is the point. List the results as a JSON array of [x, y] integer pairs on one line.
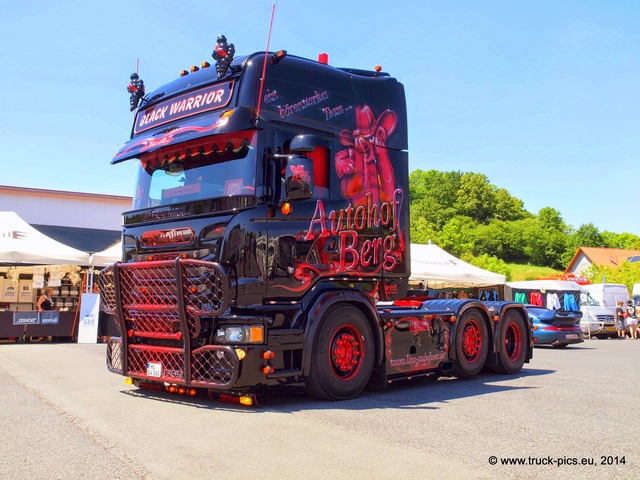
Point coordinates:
[[183, 73], [244, 400], [128, 381], [286, 208], [240, 353], [452, 318], [171, 389], [267, 370], [193, 289], [496, 318], [194, 69], [192, 392], [256, 334], [205, 65], [185, 255], [268, 355], [377, 68], [182, 390]]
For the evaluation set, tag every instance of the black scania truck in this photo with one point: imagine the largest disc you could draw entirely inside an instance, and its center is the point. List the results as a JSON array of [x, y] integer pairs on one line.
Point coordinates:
[[268, 243]]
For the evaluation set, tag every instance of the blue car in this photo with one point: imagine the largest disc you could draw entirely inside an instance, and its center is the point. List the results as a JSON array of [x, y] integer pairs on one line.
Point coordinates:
[[555, 327]]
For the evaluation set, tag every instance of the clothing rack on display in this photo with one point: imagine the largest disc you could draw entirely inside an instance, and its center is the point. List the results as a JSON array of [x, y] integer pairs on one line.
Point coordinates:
[[553, 300]]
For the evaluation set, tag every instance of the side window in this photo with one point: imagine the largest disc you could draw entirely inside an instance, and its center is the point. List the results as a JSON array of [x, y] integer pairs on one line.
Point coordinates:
[[320, 157]]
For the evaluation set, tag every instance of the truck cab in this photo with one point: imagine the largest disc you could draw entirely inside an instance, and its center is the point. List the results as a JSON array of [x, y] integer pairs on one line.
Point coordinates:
[[270, 219]]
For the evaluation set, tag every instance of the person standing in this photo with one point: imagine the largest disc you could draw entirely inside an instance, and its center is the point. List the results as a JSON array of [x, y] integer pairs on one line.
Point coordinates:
[[632, 320], [44, 301], [621, 314]]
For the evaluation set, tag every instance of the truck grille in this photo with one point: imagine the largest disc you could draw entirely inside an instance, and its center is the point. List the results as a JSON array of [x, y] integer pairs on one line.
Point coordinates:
[[211, 366], [154, 297], [163, 301], [607, 319]]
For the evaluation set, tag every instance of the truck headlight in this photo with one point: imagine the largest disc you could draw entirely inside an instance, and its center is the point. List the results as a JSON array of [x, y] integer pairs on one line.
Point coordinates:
[[240, 334]]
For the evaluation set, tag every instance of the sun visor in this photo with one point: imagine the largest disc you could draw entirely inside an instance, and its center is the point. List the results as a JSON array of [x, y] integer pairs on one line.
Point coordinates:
[[183, 118]]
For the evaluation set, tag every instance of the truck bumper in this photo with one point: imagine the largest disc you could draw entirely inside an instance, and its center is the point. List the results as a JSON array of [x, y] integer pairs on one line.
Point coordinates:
[[210, 366]]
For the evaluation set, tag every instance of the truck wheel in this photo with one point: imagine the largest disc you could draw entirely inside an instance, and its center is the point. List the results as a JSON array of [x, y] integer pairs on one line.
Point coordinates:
[[512, 338], [471, 344], [343, 355]]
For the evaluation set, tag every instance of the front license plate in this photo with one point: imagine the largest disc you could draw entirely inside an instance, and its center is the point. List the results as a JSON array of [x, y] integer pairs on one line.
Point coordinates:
[[571, 336], [154, 369]]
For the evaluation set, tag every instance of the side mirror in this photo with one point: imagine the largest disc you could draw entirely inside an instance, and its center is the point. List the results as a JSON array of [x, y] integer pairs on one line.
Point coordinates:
[[304, 143], [299, 178]]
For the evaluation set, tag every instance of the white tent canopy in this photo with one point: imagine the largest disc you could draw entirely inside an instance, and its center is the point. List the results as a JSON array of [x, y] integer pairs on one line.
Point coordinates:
[[543, 285], [438, 269], [20, 243], [106, 257]]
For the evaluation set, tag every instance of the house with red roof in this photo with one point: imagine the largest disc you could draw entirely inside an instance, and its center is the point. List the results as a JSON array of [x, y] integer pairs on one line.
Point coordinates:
[[601, 257]]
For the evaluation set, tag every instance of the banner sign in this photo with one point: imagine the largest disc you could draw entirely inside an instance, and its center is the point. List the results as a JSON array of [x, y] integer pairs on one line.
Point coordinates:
[[199, 101], [26, 318], [89, 315], [36, 318], [49, 318]]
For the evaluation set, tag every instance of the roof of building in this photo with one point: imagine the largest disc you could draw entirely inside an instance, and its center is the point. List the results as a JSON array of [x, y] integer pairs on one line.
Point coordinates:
[[602, 257]]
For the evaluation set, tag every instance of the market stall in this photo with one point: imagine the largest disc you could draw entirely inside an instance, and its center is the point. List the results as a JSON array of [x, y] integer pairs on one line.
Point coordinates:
[[28, 261], [444, 276]]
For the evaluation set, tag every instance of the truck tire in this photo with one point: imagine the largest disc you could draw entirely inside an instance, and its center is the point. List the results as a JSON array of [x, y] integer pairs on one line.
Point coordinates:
[[511, 344], [471, 344], [343, 355]]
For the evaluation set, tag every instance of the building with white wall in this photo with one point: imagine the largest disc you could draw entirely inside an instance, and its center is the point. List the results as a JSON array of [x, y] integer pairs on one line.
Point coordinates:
[[86, 221]]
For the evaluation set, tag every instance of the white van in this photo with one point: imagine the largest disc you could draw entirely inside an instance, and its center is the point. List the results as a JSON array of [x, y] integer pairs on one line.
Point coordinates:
[[596, 321], [636, 293], [608, 294]]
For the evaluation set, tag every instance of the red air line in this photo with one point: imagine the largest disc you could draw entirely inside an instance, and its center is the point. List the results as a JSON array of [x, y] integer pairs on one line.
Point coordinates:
[[264, 66]]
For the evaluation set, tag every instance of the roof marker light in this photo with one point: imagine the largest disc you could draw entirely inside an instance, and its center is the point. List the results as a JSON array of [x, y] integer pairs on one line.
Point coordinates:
[[279, 55], [323, 58], [183, 73], [194, 69]]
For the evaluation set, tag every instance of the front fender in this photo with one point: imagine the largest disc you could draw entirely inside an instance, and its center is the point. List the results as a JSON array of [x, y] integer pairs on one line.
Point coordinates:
[[318, 309]]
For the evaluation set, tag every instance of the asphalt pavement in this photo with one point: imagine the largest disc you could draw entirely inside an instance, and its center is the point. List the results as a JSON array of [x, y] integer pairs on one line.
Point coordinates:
[[570, 413]]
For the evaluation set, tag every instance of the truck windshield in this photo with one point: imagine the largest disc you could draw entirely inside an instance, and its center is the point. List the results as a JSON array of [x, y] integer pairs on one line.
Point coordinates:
[[224, 166]]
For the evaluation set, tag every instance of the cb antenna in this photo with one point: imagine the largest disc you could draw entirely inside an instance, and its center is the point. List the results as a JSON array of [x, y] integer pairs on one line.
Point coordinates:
[[264, 66]]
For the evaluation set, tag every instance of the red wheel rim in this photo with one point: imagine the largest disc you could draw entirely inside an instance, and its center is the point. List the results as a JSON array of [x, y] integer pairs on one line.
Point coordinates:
[[513, 341], [471, 341], [346, 352]]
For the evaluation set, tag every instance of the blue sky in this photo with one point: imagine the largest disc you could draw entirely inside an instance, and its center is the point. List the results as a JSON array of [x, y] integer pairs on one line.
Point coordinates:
[[540, 96]]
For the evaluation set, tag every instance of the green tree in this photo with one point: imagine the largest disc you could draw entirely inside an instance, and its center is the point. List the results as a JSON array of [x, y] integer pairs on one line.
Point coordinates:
[[550, 219], [457, 236], [432, 196], [627, 273], [476, 198], [587, 236], [502, 239], [627, 241], [507, 207], [489, 263]]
